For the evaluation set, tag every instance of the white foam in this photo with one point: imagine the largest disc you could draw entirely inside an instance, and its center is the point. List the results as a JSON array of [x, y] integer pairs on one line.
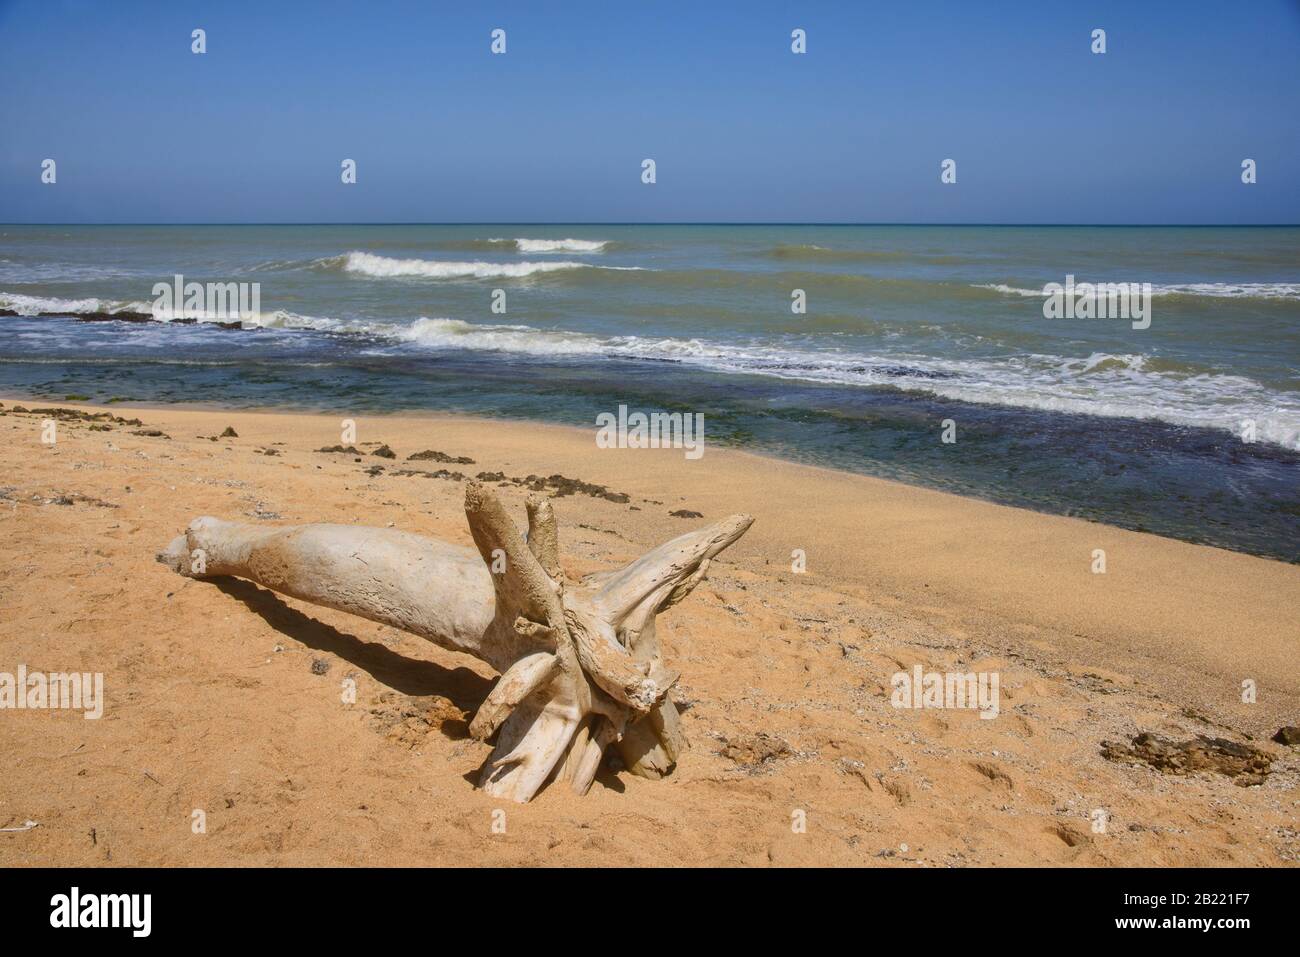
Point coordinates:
[[556, 245], [368, 264], [457, 334], [1218, 290], [279, 319], [1122, 386], [1102, 384], [31, 305], [1128, 385]]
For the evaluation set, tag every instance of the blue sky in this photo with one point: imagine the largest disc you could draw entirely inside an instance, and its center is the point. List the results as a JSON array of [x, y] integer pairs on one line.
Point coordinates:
[[741, 129]]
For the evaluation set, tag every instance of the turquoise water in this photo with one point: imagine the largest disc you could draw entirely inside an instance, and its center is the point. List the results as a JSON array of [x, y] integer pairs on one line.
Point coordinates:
[[905, 327]]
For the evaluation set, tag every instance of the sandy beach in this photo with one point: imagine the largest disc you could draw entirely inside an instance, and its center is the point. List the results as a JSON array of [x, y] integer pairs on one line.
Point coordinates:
[[224, 698]]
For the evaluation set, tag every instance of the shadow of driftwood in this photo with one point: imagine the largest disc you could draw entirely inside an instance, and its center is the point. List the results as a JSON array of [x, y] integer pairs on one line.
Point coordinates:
[[462, 687]]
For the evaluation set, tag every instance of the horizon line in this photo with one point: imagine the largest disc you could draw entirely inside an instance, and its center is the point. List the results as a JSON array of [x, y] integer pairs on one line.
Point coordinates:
[[511, 222]]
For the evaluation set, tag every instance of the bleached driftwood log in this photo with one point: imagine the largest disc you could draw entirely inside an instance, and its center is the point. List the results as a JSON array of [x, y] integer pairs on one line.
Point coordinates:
[[580, 665]]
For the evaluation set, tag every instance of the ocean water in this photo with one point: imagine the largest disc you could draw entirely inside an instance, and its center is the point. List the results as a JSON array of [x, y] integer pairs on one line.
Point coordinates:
[[906, 327]]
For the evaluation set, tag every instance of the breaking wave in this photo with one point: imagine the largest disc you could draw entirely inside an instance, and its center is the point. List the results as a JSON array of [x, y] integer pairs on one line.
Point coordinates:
[[382, 267], [135, 310], [555, 245]]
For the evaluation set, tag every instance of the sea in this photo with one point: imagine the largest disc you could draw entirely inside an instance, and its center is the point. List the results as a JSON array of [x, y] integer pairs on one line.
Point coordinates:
[[922, 354]]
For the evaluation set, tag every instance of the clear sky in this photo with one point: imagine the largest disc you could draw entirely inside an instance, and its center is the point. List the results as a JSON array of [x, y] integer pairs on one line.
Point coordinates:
[[741, 129]]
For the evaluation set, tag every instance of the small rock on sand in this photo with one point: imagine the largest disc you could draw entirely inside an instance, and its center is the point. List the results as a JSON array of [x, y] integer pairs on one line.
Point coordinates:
[[1289, 735], [753, 751], [430, 455]]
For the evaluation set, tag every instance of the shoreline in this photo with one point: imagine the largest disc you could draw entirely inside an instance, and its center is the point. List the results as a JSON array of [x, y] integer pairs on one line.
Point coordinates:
[[935, 503], [1187, 484], [897, 576]]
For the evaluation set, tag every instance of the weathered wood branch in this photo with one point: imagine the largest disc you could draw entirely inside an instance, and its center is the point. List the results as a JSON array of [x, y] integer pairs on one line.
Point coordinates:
[[580, 666], [544, 535], [521, 679]]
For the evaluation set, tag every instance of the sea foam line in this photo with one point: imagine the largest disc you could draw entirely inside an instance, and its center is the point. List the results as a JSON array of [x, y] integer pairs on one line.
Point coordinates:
[[1118, 386], [555, 245], [1217, 290], [383, 267], [1113, 386], [130, 309]]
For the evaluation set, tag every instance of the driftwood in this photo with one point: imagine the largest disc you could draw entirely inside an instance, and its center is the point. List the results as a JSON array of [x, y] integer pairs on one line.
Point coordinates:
[[579, 662]]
